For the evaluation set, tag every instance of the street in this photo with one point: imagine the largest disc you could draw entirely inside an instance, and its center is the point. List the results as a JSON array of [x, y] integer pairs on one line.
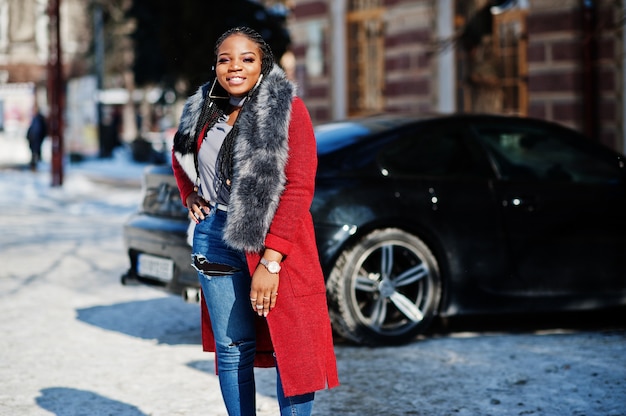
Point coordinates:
[[76, 342]]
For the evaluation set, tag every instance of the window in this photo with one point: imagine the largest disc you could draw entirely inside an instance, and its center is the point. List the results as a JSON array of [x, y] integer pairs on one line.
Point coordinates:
[[509, 36], [434, 150], [4, 26], [533, 153], [365, 56], [491, 59]]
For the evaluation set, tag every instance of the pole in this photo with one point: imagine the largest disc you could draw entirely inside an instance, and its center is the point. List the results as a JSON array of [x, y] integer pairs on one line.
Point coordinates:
[[590, 83], [99, 56], [55, 93]]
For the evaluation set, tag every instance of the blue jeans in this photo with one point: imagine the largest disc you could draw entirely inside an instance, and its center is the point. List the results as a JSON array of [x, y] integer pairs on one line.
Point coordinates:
[[225, 280]]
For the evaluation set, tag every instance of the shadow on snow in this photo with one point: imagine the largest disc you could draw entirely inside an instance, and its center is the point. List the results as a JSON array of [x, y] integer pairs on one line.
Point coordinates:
[[167, 320], [64, 401]]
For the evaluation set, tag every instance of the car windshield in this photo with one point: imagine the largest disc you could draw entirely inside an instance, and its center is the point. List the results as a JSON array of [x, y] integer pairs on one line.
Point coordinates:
[[337, 135]]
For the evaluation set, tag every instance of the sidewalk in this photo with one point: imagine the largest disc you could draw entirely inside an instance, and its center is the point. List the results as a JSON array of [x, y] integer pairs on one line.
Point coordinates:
[[120, 169]]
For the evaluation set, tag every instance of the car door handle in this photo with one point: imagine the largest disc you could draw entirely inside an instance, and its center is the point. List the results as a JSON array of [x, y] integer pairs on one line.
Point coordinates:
[[527, 203]]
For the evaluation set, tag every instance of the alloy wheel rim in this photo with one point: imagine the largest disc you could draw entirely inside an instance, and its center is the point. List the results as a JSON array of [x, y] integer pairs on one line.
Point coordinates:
[[389, 287]]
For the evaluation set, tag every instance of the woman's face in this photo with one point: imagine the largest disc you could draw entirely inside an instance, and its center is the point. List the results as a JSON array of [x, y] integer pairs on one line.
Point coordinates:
[[238, 64]]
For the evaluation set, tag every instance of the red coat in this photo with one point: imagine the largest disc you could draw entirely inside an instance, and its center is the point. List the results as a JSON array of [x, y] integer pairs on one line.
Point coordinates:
[[298, 329]]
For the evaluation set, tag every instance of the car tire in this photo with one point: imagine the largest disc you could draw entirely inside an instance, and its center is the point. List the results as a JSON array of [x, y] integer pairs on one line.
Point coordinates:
[[385, 289]]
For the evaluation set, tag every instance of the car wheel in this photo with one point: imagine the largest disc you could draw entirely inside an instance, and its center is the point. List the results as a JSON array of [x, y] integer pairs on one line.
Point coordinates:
[[385, 289]]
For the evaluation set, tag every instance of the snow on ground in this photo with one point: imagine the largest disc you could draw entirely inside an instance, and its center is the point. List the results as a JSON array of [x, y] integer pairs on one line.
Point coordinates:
[[74, 341]]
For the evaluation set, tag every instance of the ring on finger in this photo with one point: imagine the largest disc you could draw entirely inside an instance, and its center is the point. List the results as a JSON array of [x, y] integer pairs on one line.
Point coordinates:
[[252, 299], [259, 307], [266, 297]]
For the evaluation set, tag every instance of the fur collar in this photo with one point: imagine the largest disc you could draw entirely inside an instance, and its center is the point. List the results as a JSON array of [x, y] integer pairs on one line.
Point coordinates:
[[260, 156]]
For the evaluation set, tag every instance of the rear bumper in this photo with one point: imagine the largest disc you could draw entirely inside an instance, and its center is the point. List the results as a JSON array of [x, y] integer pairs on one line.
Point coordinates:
[[165, 238]]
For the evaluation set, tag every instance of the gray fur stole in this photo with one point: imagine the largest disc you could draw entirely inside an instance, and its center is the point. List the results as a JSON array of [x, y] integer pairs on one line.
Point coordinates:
[[260, 155]]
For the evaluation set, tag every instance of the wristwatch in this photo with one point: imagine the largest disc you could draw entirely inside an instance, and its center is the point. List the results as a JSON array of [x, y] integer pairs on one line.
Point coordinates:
[[271, 266]]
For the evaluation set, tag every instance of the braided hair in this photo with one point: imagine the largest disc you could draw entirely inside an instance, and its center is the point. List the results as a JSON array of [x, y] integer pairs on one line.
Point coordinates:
[[216, 103]]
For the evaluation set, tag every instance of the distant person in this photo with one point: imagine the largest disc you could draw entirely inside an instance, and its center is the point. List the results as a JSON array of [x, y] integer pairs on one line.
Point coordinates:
[[111, 127], [36, 134], [244, 158]]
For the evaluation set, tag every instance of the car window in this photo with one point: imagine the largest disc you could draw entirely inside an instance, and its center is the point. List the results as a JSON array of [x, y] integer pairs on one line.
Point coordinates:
[[534, 152], [330, 137], [341, 134], [431, 150]]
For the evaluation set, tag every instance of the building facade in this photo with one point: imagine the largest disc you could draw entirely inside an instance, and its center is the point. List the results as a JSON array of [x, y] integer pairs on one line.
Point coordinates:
[[24, 39], [560, 60], [24, 44]]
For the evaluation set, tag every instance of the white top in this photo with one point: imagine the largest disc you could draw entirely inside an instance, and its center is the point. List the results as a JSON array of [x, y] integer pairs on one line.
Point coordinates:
[[207, 160]]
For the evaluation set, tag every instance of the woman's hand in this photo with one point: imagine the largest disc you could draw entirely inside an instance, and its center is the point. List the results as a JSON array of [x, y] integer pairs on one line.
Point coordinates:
[[264, 287], [197, 206]]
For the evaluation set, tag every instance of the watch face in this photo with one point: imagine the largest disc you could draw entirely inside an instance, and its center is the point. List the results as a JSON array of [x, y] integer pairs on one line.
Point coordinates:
[[273, 267]]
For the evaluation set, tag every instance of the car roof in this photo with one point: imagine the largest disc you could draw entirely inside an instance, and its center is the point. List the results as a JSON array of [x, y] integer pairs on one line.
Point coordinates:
[[333, 135]]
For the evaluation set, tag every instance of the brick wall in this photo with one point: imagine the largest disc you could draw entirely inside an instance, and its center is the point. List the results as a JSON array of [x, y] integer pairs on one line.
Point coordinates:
[[558, 75], [314, 90], [409, 80]]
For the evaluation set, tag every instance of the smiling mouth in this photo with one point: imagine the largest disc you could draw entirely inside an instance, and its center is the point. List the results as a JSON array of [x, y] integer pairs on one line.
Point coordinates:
[[235, 79]]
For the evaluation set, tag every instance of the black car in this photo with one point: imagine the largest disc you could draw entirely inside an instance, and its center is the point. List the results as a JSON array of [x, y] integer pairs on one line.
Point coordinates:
[[419, 217]]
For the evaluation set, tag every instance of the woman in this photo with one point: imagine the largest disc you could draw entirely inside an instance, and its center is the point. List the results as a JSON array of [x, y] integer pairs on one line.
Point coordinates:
[[244, 158]]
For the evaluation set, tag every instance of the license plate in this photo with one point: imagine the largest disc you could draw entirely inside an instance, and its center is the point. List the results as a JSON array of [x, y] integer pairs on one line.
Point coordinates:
[[156, 267]]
